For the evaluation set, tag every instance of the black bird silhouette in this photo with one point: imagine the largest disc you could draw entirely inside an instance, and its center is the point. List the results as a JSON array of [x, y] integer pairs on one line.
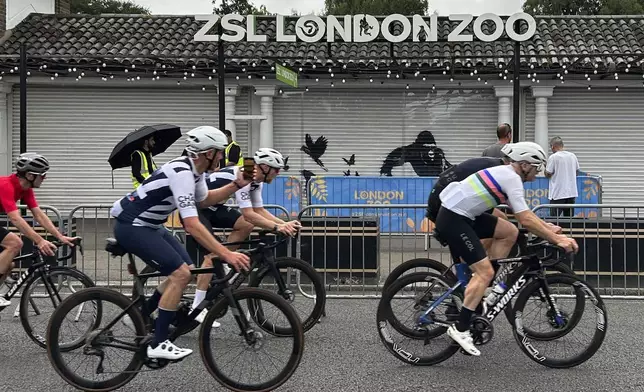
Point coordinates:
[[307, 174], [315, 150], [357, 175], [347, 173], [286, 166], [351, 161]]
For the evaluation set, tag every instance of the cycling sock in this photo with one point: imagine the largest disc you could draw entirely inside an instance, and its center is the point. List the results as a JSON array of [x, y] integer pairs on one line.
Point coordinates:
[[464, 321], [152, 303], [199, 296], [162, 326]]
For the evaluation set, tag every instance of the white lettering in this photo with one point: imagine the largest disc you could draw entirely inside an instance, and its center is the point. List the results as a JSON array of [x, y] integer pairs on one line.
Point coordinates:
[[431, 30], [509, 26], [250, 28], [456, 34], [506, 298], [281, 36], [201, 35], [363, 28], [497, 31], [227, 24], [333, 26], [310, 28], [396, 18]]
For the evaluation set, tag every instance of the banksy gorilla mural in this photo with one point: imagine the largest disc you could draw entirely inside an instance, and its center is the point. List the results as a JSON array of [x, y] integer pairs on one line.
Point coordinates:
[[424, 156]]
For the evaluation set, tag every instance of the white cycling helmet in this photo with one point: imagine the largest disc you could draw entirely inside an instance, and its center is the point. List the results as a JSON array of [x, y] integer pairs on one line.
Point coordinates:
[[526, 152], [269, 157], [205, 138], [32, 162]]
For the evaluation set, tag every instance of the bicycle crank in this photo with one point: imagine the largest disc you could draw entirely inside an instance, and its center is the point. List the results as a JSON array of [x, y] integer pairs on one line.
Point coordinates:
[[482, 330]]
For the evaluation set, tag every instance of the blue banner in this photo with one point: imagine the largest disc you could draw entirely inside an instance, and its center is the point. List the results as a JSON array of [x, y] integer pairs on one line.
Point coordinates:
[[284, 191], [415, 190]]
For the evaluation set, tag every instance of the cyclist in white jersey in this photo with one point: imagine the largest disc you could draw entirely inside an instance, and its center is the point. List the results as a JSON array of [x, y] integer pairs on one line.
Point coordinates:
[[462, 222], [268, 163], [140, 215]]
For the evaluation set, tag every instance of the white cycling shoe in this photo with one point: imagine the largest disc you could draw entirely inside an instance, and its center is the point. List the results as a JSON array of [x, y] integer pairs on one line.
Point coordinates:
[[4, 302], [167, 350], [201, 316], [464, 339]]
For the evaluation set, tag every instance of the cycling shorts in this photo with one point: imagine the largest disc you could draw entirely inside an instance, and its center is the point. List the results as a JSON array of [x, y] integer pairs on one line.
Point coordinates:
[[3, 233], [463, 235], [222, 217], [157, 247]]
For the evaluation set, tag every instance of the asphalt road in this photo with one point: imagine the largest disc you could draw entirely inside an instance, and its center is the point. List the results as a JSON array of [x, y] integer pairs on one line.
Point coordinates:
[[344, 353]]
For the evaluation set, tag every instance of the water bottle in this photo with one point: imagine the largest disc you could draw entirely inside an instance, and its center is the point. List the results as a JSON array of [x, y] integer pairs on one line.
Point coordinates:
[[495, 294]]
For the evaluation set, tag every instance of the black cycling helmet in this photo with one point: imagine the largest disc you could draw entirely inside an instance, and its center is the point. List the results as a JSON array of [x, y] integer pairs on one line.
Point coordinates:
[[31, 162]]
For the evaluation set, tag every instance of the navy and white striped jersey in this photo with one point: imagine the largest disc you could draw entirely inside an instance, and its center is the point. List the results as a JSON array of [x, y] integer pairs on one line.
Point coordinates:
[[175, 185], [246, 197]]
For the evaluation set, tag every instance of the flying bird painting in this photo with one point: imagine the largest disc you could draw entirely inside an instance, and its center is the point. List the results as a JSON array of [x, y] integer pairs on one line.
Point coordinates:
[[347, 173], [425, 157], [307, 174], [286, 166], [315, 150], [351, 161]]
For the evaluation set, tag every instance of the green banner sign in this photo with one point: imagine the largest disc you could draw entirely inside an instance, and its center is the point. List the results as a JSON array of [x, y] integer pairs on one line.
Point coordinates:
[[285, 75]]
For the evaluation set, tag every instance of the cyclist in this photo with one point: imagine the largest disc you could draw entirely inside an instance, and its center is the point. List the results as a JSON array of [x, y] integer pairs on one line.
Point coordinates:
[[268, 163], [31, 171], [179, 184], [462, 220]]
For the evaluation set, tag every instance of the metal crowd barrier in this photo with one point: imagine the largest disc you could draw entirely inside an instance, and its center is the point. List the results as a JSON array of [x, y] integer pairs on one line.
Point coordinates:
[[350, 248], [94, 224]]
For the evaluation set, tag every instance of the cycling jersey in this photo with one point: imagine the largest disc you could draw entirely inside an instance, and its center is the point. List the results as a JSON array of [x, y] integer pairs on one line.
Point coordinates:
[[176, 185], [11, 191], [456, 173], [246, 197], [484, 190]]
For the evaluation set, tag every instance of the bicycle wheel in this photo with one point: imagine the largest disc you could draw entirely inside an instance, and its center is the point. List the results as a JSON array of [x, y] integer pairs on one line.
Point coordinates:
[[431, 265], [418, 290], [44, 291], [574, 293], [99, 342], [557, 268], [251, 343], [302, 281]]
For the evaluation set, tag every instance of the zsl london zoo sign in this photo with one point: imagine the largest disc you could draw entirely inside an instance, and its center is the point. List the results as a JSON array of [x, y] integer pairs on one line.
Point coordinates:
[[364, 28]]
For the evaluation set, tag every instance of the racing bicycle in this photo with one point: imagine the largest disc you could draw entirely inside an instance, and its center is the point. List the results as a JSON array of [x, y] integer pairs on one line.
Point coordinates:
[[528, 282], [131, 335], [295, 281], [43, 286], [522, 246]]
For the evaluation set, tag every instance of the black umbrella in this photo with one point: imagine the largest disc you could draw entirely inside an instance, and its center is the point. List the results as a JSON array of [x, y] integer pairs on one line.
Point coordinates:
[[164, 136]]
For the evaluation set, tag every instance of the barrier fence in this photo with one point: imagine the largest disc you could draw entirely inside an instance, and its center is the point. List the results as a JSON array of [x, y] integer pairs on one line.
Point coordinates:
[[354, 256]]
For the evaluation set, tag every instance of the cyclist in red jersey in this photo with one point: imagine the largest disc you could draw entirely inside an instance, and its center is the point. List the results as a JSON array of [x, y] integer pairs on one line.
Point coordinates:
[[31, 170]]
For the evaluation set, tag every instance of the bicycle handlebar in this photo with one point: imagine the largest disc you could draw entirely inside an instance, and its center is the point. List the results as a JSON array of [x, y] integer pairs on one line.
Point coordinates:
[[77, 242]]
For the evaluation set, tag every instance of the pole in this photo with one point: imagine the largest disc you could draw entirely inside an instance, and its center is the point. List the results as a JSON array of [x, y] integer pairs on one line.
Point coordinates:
[[222, 84], [23, 98], [517, 92]]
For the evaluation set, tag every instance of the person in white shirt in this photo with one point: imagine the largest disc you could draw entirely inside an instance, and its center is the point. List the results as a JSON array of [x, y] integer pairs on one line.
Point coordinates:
[[561, 169]]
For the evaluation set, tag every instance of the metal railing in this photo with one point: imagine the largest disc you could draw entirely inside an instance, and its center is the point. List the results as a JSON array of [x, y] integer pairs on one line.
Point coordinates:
[[354, 247]]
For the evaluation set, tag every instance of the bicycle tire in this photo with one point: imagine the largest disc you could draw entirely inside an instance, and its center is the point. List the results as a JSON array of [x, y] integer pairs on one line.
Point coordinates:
[[54, 352], [320, 292], [24, 300], [253, 294], [433, 265], [559, 267], [384, 316], [600, 319]]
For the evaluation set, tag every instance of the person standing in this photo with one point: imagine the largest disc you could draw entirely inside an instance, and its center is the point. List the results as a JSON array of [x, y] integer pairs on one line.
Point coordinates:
[[233, 155], [142, 164], [562, 169], [504, 134]]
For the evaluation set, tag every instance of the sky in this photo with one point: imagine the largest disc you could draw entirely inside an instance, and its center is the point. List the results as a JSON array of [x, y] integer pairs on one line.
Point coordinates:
[[443, 7]]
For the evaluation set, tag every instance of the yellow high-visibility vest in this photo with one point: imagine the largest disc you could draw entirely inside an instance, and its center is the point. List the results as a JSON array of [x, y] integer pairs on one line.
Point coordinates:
[[240, 162], [148, 168]]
